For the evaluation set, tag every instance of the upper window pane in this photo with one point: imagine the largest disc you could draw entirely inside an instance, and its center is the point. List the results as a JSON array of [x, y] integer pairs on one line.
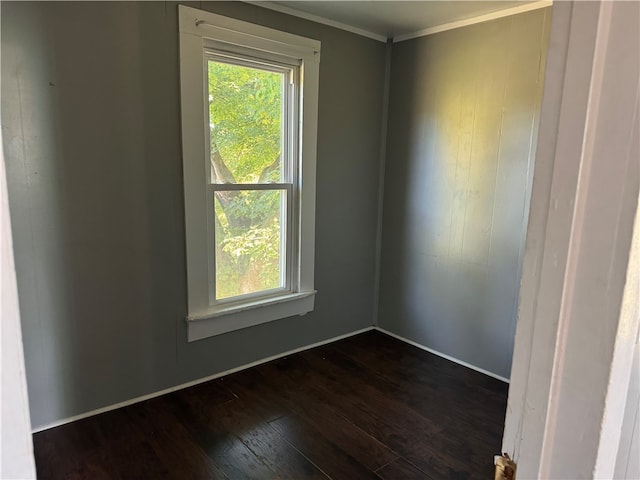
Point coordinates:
[[247, 106]]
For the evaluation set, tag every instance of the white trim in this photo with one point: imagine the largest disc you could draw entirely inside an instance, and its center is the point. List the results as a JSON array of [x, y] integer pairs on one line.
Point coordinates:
[[522, 438], [250, 304], [199, 31], [443, 355], [16, 444], [203, 24], [473, 20], [249, 314], [570, 371], [406, 36], [182, 386], [575, 250], [318, 19], [618, 399]]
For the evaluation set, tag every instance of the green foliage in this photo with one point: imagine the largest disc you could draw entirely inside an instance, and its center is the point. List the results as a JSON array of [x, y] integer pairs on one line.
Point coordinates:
[[261, 243], [252, 207], [245, 108]]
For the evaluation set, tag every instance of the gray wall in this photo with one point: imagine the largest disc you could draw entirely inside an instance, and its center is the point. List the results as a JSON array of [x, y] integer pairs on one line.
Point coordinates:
[[463, 114], [90, 117]]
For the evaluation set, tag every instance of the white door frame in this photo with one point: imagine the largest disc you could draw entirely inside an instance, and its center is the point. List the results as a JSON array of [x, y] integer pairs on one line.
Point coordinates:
[[16, 447], [564, 382]]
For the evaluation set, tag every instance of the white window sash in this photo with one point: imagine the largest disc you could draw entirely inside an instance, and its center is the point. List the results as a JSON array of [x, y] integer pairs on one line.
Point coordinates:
[[204, 35], [289, 262]]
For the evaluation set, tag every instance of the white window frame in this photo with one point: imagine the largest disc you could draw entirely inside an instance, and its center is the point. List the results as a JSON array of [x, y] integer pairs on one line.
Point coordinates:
[[201, 31]]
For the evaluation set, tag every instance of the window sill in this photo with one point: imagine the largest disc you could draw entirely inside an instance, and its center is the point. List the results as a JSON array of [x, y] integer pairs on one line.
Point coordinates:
[[234, 317]]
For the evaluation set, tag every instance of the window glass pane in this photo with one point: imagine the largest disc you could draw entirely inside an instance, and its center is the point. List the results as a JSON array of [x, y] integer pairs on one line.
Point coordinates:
[[249, 231], [246, 108]]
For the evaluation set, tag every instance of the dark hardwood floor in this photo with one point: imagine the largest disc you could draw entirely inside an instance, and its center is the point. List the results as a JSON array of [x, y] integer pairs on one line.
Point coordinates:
[[367, 407]]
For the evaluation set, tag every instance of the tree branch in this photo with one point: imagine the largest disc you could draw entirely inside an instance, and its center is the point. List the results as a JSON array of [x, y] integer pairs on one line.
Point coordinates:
[[220, 171], [268, 170]]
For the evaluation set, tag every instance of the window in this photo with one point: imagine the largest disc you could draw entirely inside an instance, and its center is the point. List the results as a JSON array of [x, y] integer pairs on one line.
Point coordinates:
[[249, 114]]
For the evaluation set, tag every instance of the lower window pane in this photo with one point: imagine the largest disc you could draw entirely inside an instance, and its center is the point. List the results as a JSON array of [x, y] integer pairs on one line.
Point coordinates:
[[250, 241]]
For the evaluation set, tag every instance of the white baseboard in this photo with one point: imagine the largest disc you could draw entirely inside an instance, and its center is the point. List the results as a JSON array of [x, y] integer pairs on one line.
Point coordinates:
[[440, 354], [195, 382], [256, 363]]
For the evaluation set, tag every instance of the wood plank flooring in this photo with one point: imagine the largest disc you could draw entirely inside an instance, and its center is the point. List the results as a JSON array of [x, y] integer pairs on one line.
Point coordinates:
[[367, 407]]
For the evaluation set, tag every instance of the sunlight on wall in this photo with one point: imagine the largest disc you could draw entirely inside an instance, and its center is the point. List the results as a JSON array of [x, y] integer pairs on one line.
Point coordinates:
[[465, 103]]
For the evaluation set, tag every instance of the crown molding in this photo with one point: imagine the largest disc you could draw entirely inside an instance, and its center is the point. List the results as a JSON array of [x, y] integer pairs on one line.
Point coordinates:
[[473, 20], [406, 36], [318, 19]]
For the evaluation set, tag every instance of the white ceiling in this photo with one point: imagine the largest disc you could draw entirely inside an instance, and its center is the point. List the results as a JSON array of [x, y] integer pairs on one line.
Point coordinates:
[[387, 19]]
